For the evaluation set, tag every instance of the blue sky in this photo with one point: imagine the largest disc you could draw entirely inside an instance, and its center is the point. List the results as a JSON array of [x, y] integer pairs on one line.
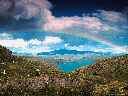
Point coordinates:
[[43, 26]]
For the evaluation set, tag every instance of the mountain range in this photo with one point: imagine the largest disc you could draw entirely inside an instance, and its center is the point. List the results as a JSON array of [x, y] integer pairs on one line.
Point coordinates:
[[65, 51]]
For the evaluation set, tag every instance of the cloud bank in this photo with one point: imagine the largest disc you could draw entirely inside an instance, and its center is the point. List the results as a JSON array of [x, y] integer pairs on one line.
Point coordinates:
[[102, 21], [30, 46]]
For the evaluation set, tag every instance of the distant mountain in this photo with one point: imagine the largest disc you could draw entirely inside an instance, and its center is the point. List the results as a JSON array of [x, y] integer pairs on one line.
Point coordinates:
[[65, 51]]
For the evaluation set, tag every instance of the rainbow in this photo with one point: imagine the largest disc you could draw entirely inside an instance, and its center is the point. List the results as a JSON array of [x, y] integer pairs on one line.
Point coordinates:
[[94, 39], [121, 49]]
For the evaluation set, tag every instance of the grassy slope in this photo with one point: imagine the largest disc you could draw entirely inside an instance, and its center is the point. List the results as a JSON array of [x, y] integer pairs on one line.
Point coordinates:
[[115, 68], [22, 77]]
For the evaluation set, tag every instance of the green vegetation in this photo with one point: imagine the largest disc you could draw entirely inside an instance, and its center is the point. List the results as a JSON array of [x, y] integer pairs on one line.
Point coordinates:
[[115, 68], [34, 77]]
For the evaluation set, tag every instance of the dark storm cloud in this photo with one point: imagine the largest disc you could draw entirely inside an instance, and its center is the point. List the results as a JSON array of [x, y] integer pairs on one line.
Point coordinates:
[[23, 14]]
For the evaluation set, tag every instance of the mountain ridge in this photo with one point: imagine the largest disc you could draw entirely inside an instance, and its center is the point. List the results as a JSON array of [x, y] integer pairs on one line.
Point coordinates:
[[65, 51]]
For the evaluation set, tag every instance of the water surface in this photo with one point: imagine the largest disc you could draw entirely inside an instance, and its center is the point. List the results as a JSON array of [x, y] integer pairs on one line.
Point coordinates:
[[69, 67]]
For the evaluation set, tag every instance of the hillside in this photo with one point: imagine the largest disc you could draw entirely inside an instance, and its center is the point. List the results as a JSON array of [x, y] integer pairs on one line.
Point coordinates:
[[115, 68], [6, 55], [32, 77]]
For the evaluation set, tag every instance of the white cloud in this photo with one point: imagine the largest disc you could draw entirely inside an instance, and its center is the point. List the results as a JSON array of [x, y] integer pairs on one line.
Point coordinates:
[[59, 24], [31, 46], [14, 43], [121, 37], [19, 43], [111, 16], [78, 48], [38, 49], [108, 28], [66, 45], [112, 50], [51, 40], [34, 42], [101, 22], [4, 35], [23, 46]]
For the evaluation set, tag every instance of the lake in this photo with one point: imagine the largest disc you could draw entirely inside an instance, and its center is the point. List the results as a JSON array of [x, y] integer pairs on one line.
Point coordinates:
[[69, 67]]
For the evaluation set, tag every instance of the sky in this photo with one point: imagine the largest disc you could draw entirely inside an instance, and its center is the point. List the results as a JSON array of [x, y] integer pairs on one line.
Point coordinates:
[[34, 26]]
